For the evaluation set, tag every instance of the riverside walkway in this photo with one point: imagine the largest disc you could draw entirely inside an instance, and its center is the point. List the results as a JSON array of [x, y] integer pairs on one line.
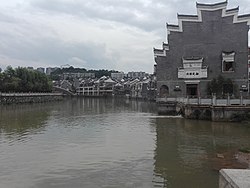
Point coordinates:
[[15, 98]]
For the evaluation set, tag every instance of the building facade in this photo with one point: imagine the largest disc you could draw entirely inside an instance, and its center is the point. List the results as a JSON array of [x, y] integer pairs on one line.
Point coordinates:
[[117, 75], [201, 47]]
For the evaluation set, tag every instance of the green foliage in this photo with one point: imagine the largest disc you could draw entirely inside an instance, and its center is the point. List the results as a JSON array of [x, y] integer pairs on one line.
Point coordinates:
[[220, 86], [68, 70], [23, 80]]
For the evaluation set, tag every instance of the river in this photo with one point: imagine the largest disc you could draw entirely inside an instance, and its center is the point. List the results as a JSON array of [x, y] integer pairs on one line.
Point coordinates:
[[111, 143]]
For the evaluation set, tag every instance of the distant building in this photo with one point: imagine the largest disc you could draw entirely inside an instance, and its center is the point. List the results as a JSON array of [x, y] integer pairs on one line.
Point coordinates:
[[201, 47], [30, 68], [117, 75], [134, 75], [105, 86], [101, 87], [49, 70], [40, 69], [71, 75]]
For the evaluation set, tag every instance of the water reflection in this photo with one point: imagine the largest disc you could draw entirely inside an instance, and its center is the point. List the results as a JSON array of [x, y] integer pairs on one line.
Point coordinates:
[[186, 149], [110, 105], [18, 121]]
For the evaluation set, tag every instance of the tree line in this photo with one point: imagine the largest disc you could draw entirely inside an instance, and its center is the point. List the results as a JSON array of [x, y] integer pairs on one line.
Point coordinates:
[[55, 75], [24, 80]]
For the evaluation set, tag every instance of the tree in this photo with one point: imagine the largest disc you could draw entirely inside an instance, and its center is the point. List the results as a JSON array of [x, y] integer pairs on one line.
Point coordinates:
[[98, 73], [24, 80], [9, 71], [220, 86]]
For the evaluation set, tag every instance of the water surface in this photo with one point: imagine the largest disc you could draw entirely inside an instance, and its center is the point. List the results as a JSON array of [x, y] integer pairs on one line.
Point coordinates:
[[110, 143]]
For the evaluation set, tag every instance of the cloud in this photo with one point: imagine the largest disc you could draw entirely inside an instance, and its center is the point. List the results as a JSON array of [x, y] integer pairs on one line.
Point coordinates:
[[56, 52], [112, 34], [8, 18], [145, 15], [60, 39]]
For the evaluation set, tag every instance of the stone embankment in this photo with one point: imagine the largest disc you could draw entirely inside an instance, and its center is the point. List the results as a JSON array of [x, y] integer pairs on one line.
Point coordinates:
[[206, 109], [16, 98]]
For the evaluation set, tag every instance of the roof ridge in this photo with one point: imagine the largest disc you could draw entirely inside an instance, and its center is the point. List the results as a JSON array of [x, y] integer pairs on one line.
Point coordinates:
[[211, 4]]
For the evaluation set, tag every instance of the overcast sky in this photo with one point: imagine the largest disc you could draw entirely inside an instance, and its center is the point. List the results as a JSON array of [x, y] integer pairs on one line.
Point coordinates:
[[96, 34]]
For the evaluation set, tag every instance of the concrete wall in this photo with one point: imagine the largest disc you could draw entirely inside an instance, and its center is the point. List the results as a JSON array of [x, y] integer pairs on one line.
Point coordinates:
[[234, 178], [229, 113], [198, 112]]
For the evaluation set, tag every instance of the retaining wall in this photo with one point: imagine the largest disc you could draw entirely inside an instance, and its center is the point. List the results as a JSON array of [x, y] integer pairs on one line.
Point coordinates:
[[206, 112]]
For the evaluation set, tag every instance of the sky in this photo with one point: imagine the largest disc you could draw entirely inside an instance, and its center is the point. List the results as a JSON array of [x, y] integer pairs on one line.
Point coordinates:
[[97, 34]]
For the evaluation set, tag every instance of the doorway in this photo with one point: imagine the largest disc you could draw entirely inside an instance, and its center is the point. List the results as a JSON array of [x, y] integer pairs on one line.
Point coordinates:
[[164, 91], [192, 90]]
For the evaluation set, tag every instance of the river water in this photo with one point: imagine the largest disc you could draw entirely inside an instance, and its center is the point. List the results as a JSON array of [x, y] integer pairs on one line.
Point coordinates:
[[111, 143]]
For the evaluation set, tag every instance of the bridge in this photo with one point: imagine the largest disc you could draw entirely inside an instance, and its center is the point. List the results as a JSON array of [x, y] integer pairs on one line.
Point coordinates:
[[64, 91]]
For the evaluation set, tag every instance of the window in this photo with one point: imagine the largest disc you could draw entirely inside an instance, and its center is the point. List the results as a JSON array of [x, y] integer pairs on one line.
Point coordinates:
[[228, 62], [228, 66]]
